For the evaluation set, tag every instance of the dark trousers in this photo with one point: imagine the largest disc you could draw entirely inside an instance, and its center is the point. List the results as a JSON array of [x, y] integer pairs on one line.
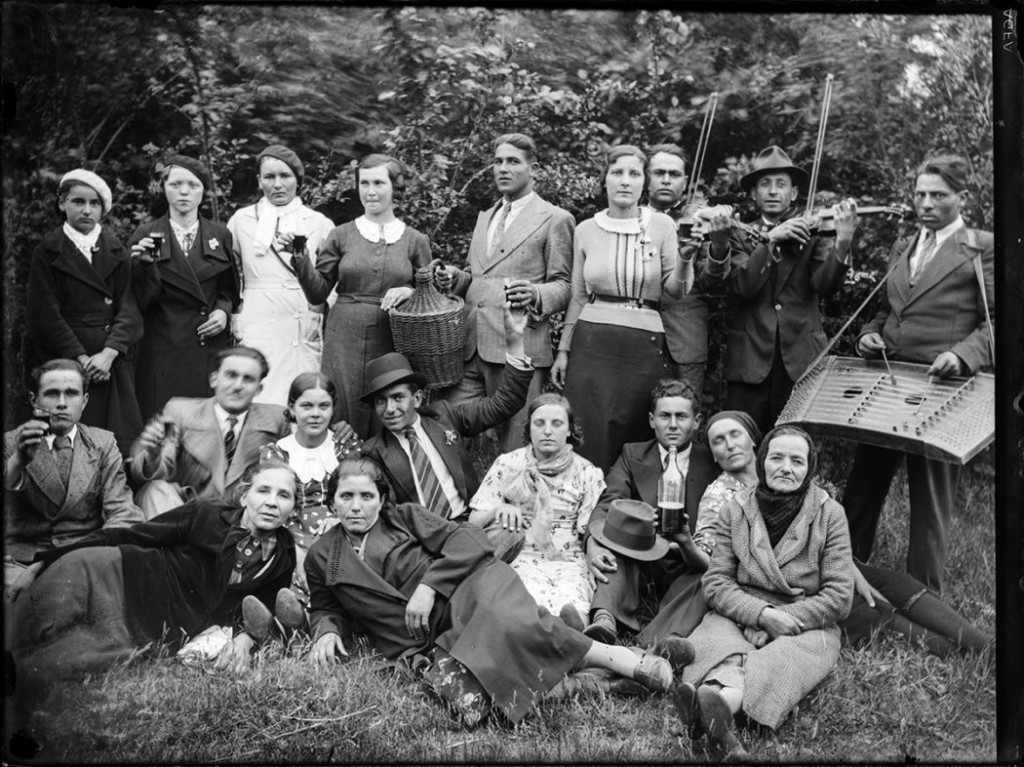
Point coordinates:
[[765, 400], [621, 595], [932, 493]]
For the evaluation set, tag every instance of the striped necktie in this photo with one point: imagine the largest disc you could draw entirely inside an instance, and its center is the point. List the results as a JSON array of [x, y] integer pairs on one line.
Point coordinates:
[[927, 251], [62, 457], [499, 230], [430, 486], [230, 439]]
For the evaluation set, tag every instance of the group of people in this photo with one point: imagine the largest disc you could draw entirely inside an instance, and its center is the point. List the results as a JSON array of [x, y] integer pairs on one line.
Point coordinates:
[[324, 489]]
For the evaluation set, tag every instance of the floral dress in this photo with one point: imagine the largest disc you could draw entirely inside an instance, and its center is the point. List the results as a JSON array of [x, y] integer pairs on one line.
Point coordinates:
[[552, 564], [314, 466], [715, 497]]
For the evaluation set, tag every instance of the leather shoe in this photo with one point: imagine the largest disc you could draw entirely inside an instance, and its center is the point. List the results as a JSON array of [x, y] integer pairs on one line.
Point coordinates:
[[684, 697], [259, 621], [289, 610], [602, 627], [718, 720], [571, 616], [653, 672], [676, 650]]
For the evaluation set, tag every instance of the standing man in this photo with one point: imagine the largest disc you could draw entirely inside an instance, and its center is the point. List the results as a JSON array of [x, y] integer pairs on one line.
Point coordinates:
[[62, 479], [933, 312], [521, 252], [686, 318], [775, 332], [201, 448]]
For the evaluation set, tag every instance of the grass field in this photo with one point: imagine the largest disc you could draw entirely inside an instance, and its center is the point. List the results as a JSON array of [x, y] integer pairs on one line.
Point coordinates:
[[889, 701]]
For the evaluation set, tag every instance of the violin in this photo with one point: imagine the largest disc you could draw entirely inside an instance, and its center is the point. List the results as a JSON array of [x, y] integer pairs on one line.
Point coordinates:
[[824, 219]]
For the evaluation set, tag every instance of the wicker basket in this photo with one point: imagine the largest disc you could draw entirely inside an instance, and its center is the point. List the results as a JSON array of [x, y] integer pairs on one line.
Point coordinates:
[[430, 330]]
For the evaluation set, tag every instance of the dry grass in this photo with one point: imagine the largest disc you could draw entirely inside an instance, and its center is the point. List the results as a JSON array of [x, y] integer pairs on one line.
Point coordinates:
[[887, 702]]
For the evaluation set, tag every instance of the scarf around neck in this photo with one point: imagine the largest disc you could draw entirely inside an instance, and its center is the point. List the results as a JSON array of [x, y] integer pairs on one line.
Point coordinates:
[[779, 509], [84, 242], [531, 488], [269, 220]]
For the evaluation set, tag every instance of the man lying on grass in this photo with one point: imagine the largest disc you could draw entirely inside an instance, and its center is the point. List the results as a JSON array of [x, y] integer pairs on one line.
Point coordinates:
[[430, 592]]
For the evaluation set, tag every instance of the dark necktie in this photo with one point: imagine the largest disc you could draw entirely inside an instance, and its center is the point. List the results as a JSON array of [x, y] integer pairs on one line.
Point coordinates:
[[230, 440], [433, 496], [499, 230], [62, 457]]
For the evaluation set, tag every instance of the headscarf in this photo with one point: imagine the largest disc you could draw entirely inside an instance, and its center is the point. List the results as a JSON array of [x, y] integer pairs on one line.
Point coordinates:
[[530, 490], [90, 179], [741, 417], [285, 155], [779, 509], [193, 166]]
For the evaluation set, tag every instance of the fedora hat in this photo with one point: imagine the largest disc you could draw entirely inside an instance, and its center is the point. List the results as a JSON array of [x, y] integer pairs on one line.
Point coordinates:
[[390, 369], [629, 529], [773, 160]]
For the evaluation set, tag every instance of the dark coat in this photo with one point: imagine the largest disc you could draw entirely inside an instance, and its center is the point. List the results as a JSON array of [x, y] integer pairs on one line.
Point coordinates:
[[74, 308], [636, 473], [44, 513], [482, 615], [176, 569], [176, 295], [944, 310], [778, 299], [446, 425]]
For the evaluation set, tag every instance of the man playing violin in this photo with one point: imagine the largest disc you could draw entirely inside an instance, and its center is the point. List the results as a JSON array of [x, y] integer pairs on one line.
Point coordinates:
[[686, 318], [775, 331], [933, 311]]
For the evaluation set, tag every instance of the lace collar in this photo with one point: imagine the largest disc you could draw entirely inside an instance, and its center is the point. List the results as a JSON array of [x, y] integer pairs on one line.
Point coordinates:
[[624, 225], [392, 231]]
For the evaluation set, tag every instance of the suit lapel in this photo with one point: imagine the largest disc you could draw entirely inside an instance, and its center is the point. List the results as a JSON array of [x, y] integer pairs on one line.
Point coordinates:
[[257, 431], [648, 473], [397, 462], [208, 255], [523, 225], [174, 266], [900, 279], [108, 257], [760, 550], [70, 261], [345, 566], [202, 438], [42, 470], [83, 467], [478, 245], [785, 268], [954, 252]]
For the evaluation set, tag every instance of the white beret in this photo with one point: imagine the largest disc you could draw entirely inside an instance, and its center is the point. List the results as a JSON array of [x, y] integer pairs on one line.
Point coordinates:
[[89, 178]]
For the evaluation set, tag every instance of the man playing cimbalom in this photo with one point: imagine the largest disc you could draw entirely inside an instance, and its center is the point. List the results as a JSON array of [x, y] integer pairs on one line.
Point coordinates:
[[521, 252], [201, 448], [64, 480], [620, 579], [933, 312], [775, 331], [686, 318]]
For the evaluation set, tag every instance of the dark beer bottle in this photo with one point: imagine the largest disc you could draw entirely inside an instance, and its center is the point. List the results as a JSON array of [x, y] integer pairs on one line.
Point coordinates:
[[671, 500]]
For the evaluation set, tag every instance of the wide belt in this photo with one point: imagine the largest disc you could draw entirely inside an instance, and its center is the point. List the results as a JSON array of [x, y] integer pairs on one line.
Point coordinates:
[[636, 303]]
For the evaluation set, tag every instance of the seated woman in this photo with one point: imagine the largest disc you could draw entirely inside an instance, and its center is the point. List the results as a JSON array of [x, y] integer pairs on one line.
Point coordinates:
[[780, 579], [883, 599], [97, 601], [429, 591], [550, 491]]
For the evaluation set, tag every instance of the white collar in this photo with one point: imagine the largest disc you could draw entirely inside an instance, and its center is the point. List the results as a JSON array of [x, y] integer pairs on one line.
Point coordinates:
[[222, 417], [943, 234], [84, 242], [517, 204], [72, 435], [392, 231], [632, 225], [681, 455], [175, 226]]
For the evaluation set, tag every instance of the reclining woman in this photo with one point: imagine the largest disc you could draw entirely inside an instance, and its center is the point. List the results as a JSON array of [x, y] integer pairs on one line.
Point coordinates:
[[95, 602], [779, 581], [548, 490], [430, 592]]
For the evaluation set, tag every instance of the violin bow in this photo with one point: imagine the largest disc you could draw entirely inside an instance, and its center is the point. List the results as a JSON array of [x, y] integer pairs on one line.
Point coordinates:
[[826, 103], [702, 146]]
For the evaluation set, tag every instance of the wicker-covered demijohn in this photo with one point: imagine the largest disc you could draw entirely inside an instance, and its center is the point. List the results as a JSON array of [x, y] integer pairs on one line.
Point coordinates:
[[430, 330]]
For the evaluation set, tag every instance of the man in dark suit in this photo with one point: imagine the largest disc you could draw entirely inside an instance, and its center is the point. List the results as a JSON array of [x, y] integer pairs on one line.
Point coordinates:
[[201, 448], [521, 252], [674, 417], [423, 451], [686, 318], [62, 479], [933, 312], [775, 331]]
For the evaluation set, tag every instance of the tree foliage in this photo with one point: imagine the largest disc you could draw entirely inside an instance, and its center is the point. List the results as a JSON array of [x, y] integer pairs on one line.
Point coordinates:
[[116, 88]]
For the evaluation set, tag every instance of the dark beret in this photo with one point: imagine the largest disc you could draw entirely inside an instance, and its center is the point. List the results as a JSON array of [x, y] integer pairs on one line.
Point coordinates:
[[193, 166], [285, 155]]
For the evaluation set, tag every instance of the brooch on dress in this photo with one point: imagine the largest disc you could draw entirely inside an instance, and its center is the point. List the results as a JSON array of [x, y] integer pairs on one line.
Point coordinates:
[[214, 244], [450, 437]]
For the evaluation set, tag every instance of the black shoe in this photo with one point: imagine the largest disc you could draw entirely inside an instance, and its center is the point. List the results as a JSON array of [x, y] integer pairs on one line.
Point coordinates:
[[718, 721], [258, 620], [602, 627], [289, 610], [676, 650], [684, 697]]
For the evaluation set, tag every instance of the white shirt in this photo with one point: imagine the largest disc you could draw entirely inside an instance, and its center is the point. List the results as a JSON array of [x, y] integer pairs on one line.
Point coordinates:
[[444, 477], [71, 435], [181, 231], [941, 235], [682, 459], [516, 206], [222, 419]]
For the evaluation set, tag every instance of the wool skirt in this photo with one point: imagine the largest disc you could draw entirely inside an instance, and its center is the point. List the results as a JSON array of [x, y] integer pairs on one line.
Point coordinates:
[[612, 370]]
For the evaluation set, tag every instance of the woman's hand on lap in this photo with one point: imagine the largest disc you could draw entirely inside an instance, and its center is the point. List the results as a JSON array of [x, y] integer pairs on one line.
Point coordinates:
[[777, 623]]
